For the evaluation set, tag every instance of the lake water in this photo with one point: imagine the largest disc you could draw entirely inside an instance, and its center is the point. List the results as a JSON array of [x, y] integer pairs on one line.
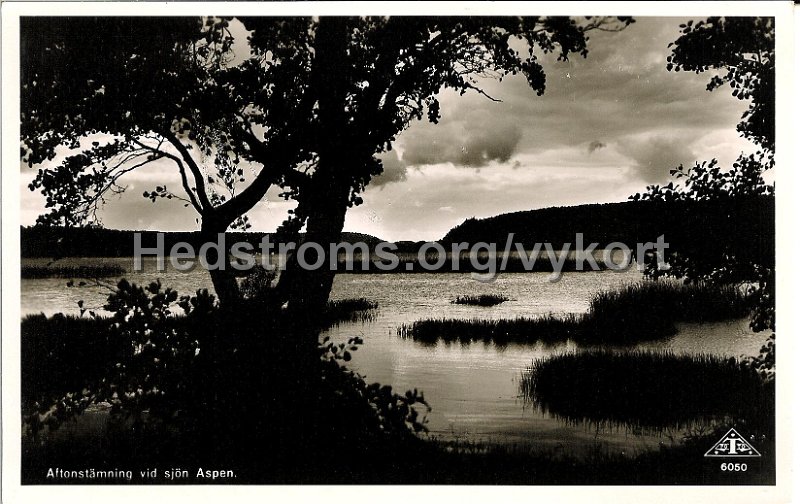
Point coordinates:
[[473, 388]]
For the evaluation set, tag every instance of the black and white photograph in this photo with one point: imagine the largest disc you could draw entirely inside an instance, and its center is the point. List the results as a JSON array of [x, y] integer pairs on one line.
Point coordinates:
[[299, 244]]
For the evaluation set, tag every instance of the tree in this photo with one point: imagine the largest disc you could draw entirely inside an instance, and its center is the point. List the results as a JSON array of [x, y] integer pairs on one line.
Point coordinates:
[[144, 90], [742, 52], [310, 107]]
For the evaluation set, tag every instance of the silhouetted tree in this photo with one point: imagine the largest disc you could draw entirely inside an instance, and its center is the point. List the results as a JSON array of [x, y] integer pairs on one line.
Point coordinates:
[[308, 108], [741, 52], [146, 90]]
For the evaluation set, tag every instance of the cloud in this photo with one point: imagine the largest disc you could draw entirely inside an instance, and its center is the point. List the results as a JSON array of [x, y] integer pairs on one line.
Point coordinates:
[[394, 169], [482, 146], [468, 143], [621, 90], [656, 155], [433, 199], [595, 145]]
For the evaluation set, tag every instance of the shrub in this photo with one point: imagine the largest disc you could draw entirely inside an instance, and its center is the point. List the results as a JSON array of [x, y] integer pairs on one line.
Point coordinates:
[[219, 378]]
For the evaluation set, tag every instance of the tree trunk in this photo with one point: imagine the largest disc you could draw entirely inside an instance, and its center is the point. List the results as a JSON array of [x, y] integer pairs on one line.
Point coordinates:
[[223, 279], [325, 198], [310, 289], [328, 193]]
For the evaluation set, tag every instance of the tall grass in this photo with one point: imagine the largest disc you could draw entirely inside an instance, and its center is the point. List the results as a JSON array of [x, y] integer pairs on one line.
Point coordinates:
[[644, 311], [547, 329], [480, 300], [350, 310], [646, 389], [62, 271], [701, 302]]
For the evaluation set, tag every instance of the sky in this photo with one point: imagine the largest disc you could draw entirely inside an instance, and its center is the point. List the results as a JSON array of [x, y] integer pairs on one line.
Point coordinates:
[[605, 128]]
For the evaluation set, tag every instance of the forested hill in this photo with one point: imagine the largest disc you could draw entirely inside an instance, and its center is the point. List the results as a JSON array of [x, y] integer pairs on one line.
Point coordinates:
[[745, 226], [56, 242], [742, 226]]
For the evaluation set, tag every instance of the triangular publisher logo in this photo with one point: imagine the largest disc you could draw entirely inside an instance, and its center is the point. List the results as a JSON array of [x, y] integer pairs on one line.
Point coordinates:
[[732, 444]]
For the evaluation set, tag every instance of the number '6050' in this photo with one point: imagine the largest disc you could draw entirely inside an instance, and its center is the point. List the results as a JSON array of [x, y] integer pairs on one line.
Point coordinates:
[[734, 467]]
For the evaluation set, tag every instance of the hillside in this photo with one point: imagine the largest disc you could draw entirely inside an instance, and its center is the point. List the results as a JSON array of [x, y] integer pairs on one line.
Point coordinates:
[[745, 227], [54, 242]]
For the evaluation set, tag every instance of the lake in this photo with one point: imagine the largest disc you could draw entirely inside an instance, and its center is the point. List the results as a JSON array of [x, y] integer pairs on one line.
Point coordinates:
[[473, 389]]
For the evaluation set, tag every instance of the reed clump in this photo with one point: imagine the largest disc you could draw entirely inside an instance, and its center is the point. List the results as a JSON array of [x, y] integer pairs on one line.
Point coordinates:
[[480, 300], [29, 271], [649, 389], [549, 328], [644, 311], [350, 310]]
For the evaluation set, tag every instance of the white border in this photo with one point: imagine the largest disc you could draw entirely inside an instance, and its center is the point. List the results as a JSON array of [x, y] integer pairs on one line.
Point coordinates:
[[787, 183]]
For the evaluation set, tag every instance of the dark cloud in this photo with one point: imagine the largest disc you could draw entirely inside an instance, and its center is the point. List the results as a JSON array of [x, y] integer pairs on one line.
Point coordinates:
[[472, 144], [482, 146], [655, 156], [394, 169], [621, 88], [595, 145]]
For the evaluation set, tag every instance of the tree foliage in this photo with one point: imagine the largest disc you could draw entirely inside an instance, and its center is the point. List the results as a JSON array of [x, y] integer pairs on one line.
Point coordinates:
[[143, 90], [744, 49], [741, 53], [707, 181]]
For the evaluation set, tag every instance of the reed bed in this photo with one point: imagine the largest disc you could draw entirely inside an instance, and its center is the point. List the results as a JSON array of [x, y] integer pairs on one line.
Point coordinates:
[[643, 311], [480, 300], [646, 388], [547, 329], [350, 310], [701, 302], [83, 271]]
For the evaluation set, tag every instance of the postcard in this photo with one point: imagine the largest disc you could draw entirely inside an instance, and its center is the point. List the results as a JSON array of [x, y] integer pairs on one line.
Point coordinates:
[[474, 250]]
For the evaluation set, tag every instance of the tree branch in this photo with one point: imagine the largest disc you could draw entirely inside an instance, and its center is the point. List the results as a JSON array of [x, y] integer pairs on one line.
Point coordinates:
[[199, 180], [279, 155], [182, 170]]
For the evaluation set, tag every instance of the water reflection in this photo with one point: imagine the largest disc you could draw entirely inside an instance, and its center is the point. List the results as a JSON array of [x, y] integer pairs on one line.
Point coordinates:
[[473, 388]]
